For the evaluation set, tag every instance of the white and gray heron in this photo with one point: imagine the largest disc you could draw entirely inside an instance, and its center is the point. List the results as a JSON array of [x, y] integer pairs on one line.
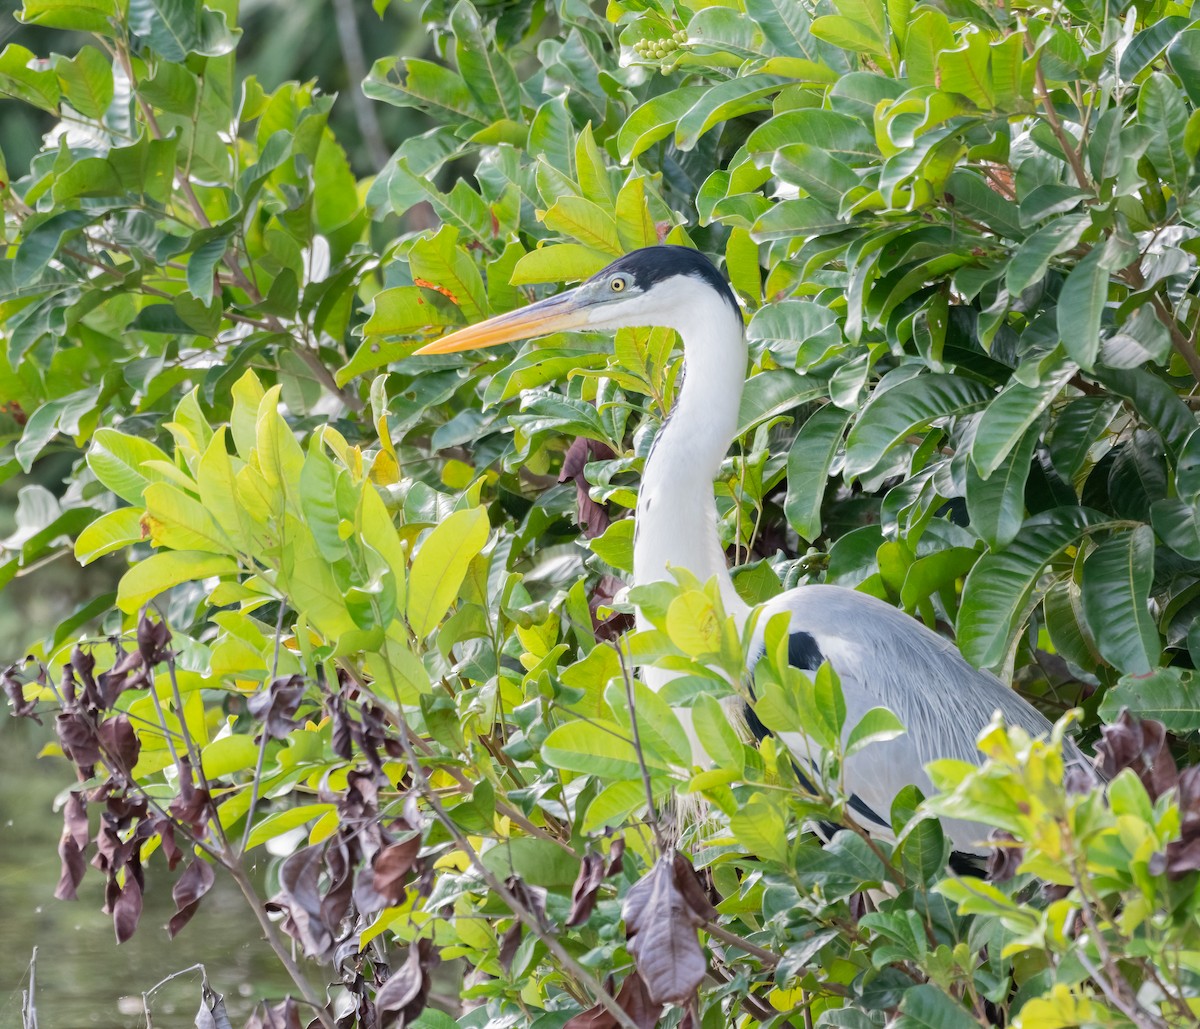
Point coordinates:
[[882, 656]]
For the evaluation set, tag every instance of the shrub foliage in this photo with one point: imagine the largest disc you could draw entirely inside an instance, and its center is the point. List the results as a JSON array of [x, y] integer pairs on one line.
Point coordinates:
[[354, 598]]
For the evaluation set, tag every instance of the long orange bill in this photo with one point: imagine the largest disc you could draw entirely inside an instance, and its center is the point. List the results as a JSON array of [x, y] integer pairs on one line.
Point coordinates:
[[554, 314]]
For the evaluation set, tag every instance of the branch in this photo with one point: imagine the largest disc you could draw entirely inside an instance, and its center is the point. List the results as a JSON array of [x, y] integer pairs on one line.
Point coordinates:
[[1184, 347], [1081, 175], [651, 813]]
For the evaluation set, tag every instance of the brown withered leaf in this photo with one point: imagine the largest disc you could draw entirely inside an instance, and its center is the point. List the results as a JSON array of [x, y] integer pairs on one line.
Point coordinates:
[[616, 857], [127, 908], [212, 1013], [284, 1015], [75, 819], [614, 625], [586, 888], [1004, 859], [692, 888], [404, 996], [15, 689], [119, 743], [1183, 855], [300, 900], [633, 998], [509, 943], [78, 740], [592, 517], [152, 640], [276, 705], [193, 804], [661, 924], [196, 881], [82, 665], [1139, 744], [390, 868], [73, 868]]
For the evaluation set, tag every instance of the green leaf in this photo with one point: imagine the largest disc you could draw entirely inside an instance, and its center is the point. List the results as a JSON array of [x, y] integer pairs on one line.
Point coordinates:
[[1081, 307], [1005, 422], [1177, 525], [487, 72], [559, 263], [716, 734], [1162, 110], [729, 99], [111, 531], [1117, 577], [285, 821], [96, 16], [210, 248], [176, 520], [890, 416], [440, 566], [62, 414], [1166, 694], [998, 595], [229, 754], [175, 28], [1033, 257], [927, 1007], [615, 545], [597, 747], [787, 27], [878, 725], [439, 261], [425, 86], [1184, 55], [770, 393], [159, 572], [119, 462], [808, 462], [997, 504], [86, 81], [655, 120], [586, 222], [759, 827], [22, 77], [837, 134]]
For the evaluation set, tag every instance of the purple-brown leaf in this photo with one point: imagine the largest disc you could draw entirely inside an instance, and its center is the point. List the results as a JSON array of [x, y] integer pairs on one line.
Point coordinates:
[[277, 704], [127, 909], [404, 996], [633, 998], [196, 881], [586, 888], [660, 924]]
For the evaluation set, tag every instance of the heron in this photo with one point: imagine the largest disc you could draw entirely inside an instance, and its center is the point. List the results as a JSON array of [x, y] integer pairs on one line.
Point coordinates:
[[883, 657]]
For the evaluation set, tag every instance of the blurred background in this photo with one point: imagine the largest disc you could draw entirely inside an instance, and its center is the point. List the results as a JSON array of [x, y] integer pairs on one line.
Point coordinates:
[[81, 980]]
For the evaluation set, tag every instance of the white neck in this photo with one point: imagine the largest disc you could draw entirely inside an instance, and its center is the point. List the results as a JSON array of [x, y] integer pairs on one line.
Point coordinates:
[[676, 509]]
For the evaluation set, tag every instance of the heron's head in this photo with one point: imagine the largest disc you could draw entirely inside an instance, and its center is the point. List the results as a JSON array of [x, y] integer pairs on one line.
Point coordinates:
[[662, 285]]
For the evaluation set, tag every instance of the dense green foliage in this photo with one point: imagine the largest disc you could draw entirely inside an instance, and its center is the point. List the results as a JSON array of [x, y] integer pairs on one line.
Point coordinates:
[[966, 240]]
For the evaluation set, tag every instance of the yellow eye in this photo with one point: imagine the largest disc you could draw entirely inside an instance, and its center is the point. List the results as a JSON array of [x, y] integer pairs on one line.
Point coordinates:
[[617, 285]]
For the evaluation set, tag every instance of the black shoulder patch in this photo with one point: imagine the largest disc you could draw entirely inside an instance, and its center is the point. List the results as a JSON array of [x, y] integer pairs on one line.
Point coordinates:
[[803, 652], [654, 264]]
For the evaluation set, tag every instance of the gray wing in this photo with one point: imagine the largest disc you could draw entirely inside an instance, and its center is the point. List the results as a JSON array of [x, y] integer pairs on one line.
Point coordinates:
[[884, 658]]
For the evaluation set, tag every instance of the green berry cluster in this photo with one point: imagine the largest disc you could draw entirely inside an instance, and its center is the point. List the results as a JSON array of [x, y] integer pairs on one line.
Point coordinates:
[[657, 49]]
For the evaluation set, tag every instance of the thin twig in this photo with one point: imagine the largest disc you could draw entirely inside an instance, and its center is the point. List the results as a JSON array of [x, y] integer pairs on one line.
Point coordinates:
[[651, 812], [1184, 347], [264, 739], [1081, 175]]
